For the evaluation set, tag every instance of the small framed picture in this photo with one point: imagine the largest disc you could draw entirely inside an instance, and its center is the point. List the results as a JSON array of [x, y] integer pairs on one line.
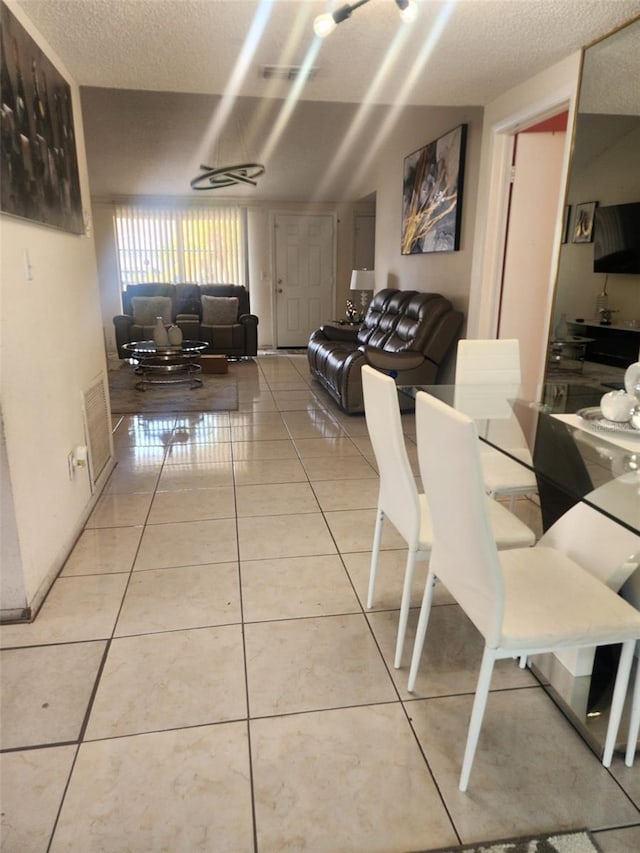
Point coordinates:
[[583, 222]]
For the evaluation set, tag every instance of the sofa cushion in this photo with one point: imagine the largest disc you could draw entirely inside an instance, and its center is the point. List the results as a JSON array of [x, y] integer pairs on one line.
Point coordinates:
[[147, 308], [219, 310]]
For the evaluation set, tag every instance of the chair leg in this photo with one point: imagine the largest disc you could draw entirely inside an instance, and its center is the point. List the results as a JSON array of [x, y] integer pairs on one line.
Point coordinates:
[[375, 554], [404, 606], [477, 715], [421, 630], [634, 724], [617, 701]]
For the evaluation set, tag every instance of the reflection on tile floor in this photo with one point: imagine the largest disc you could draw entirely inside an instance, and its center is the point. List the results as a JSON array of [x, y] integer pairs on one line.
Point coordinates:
[[204, 676]]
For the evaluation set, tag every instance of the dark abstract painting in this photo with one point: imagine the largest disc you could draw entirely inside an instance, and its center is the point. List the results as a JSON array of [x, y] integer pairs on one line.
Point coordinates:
[[39, 171], [432, 195]]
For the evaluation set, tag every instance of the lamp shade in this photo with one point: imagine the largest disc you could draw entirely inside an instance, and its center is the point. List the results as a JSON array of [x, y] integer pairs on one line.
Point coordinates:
[[363, 280]]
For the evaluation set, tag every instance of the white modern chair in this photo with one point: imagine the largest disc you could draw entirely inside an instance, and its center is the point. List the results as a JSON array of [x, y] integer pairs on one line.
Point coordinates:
[[399, 499], [518, 599], [483, 363]]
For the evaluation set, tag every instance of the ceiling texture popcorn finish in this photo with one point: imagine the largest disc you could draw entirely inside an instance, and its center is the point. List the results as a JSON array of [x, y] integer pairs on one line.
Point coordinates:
[[458, 53]]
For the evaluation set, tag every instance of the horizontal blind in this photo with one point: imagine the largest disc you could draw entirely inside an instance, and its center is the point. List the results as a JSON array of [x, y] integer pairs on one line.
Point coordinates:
[[203, 245]]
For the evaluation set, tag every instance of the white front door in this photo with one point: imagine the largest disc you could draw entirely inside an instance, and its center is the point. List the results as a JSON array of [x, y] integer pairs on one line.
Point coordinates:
[[304, 273]]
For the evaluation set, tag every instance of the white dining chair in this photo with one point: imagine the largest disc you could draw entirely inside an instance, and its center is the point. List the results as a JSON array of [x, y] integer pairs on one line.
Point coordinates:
[[399, 499], [523, 601], [487, 371]]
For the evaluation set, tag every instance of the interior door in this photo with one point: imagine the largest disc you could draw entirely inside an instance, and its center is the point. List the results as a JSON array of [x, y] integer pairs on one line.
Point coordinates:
[[529, 247], [304, 275]]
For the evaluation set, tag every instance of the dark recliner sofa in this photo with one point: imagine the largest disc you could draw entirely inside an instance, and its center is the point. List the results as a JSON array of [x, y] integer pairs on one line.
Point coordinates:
[[405, 334], [237, 338]]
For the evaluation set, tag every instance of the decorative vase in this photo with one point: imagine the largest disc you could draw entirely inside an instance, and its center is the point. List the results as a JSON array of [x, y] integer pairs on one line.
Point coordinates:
[[175, 336], [160, 335]]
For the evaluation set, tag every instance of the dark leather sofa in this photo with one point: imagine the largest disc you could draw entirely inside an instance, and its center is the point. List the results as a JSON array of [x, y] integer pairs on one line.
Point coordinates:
[[405, 334], [237, 337]]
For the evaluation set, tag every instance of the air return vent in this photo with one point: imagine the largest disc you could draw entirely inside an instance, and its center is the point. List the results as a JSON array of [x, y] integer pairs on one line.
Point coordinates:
[[97, 421], [286, 72]]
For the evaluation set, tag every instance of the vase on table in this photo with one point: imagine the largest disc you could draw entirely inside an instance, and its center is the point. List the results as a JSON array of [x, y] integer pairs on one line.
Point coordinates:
[[160, 334], [175, 336]]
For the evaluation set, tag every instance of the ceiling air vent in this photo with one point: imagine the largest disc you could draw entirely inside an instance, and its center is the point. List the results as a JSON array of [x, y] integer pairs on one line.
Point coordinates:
[[286, 72]]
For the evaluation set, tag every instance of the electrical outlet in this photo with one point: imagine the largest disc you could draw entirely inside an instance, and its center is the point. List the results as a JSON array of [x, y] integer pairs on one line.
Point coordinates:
[[71, 465]]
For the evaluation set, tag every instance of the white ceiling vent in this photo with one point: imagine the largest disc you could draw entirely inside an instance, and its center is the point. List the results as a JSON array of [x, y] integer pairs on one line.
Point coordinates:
[[286, 72]]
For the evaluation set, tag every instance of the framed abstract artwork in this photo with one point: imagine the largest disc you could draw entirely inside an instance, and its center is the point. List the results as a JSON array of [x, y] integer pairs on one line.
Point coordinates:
[[39, 178], [583, 222], [432, 195]]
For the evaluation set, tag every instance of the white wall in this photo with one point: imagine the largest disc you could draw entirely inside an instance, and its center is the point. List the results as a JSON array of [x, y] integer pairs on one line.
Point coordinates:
[[440, 272], [51, 349]]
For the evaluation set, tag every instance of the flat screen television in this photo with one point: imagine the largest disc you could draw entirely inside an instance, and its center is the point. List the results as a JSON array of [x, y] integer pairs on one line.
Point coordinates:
[[616, 239]]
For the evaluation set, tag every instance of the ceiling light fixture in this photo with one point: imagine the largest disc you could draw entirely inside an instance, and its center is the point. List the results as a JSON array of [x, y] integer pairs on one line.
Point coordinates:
[[227, 176], [325, 24]]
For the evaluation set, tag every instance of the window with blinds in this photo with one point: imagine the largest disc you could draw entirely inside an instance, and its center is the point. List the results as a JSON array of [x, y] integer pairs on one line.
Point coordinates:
[[203, 245]]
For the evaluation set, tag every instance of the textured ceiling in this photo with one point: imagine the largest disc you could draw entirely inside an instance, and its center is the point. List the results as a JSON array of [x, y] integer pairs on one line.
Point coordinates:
[[456, 53]]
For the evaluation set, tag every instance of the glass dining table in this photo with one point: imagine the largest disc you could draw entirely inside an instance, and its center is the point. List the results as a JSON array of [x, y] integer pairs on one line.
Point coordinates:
[[576, 457]]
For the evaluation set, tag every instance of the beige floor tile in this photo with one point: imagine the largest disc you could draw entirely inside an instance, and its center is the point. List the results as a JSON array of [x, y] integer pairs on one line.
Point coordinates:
[[250, 419], [266, 537], [192, 505], [201, 421], [76, 608], [207, 475], [276, 499], [353, 530], [353, 425], [274, 449], [620, 840], [198, 453], [347, 494], [339, 447], [325, 468], [264, 403], [257, 471], [187, 597], [126, 479], [451, 656], [390, 578], [50, 690], [117, 510], [628, 777], [170, 680], [141, 456], [187, 543], [259, 432], [532, 771], [195, 435], [185, 790], [346, 780], [104, 550], [309, 664], [289, 588], [32, 785], [302, 425]]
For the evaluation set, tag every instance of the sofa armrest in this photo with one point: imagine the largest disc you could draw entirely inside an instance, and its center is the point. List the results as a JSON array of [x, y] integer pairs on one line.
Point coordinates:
[[339, 333], [250, 324], [388, 361], [122, 323]]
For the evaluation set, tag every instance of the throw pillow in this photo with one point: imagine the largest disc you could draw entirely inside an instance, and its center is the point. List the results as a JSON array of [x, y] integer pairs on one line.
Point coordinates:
[[147, 308], [219, 310]]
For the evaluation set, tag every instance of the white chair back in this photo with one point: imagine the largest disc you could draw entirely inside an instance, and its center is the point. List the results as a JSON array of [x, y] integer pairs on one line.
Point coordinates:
[[464, 554], [398, 491], [485, 362]]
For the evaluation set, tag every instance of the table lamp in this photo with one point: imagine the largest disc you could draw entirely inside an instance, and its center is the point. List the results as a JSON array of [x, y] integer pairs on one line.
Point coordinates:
[[365, 282]]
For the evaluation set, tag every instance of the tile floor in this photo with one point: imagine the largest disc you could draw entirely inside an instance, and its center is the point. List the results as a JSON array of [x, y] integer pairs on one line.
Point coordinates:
[[203, 675]]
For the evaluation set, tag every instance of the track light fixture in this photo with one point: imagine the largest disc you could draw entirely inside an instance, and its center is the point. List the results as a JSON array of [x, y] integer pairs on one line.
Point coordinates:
[[326, 24]]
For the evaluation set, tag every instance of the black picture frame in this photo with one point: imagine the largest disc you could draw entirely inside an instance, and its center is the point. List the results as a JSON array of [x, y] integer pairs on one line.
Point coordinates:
[[39, 177], [432, 195]]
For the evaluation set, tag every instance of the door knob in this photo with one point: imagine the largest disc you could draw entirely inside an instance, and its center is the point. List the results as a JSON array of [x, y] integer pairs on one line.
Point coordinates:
[[279, 290]]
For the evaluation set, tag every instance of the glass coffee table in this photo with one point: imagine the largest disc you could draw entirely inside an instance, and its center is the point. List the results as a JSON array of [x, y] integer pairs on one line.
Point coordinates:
[[166, 365]]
